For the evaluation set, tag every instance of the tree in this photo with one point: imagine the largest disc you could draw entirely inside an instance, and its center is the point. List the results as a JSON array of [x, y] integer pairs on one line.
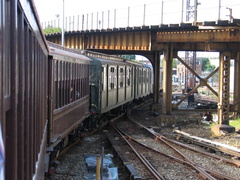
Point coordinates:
[[129, 57], [206, 65], [175, 62], [51, 30]]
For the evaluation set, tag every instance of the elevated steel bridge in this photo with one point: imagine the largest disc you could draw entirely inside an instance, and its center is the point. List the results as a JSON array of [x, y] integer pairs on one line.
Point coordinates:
[[153, 41]]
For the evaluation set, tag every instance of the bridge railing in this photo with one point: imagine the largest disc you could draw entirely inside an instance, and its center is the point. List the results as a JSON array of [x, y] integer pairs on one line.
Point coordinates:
[[163, 12]]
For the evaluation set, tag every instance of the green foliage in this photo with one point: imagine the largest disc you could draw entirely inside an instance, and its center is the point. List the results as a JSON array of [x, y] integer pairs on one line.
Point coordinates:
[[235, 123], [206, 65], [129, 57], [175, 62], [51, 30]]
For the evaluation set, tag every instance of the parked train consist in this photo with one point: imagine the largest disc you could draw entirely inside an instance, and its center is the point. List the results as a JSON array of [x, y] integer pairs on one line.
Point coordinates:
[[50, 94], [115, 82], [86, 85]]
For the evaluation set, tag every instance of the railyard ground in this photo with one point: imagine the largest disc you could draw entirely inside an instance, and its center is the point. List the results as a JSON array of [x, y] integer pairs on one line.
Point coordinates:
[[70, 167], [192, 123]]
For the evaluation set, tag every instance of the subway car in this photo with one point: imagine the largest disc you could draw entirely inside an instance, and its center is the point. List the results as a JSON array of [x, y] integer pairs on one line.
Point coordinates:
[[116, 82]]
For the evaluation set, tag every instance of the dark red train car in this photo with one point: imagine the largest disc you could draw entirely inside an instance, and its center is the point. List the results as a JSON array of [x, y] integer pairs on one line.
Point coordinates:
[[23, 90], [68, 94]]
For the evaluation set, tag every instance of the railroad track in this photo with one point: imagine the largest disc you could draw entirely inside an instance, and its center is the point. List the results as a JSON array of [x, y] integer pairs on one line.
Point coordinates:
[[167, 158], [129, 155]]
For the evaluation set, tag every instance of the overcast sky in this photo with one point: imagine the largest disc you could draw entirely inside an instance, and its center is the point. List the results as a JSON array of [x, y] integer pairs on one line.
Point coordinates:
[[207, 10]]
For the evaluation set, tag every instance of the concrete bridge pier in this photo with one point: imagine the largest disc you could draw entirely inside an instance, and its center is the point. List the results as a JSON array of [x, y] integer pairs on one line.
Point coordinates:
[[223, 94]]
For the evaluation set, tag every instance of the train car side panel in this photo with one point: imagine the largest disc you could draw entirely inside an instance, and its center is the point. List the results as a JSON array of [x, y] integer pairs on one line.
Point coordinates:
[[24, 93], [69, 92], [112, 85], [104, 86], [121, 84], [129, 82], [65, 120]]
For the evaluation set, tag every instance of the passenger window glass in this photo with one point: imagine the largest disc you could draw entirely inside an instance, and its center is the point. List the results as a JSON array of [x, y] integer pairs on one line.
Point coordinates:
[[112, 78]]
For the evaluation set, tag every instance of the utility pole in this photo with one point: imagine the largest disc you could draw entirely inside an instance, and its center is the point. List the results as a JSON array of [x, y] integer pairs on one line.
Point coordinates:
[[190, 56], [63, 25]]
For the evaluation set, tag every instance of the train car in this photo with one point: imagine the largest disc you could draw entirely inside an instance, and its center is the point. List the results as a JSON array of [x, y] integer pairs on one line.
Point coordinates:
[[45, 91], [68, 95], [23, 91], [143, 80], [113, 82]]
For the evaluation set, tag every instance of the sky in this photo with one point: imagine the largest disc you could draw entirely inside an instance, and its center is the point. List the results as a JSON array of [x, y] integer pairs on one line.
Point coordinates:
[[96, 12]]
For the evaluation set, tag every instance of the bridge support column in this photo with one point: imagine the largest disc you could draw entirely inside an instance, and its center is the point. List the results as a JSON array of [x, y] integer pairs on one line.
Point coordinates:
[[155, 59], [223, 98], [167, 81], [236, 99], [156, 71]]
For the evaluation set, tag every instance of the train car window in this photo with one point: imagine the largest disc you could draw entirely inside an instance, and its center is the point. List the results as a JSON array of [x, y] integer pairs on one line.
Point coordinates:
[[112, 69], [79, 71], [77, 82], [112, 78], [56, 84], [60, 85], [111, 85], [80, 80], [121, 77], [72, 87], [70, 82], [138, 76], [145, 76], [64, 83], [103, 79], [83, 80], [128, 77]]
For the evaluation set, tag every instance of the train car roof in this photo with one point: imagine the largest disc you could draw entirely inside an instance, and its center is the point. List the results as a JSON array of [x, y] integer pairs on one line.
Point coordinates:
[[104, 58], [62, 53], [109, 62], [110, 59]]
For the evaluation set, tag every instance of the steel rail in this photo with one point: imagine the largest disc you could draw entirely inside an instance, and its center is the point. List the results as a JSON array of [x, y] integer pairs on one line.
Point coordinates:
[[184, 145], [203, 172], [202, 152], [211, 145], [196, 166], [152, 170], [217, 174]]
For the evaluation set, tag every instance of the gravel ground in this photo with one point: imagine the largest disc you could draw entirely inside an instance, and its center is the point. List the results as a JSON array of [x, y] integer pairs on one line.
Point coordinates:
[[72, 165]]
